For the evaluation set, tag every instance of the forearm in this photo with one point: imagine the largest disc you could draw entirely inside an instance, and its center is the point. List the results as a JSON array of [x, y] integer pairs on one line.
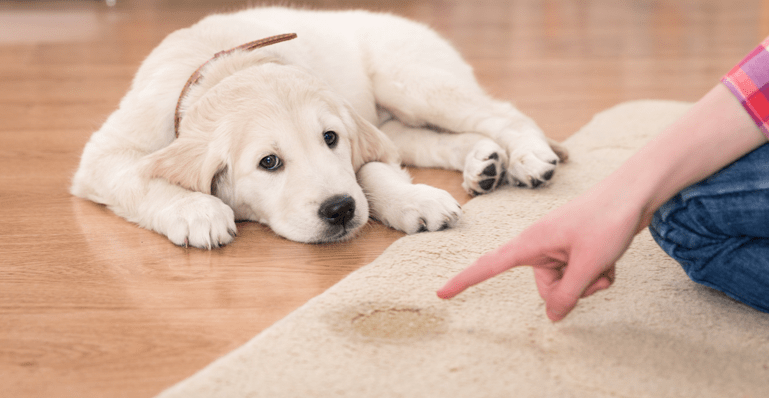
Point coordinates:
[[715, 132]]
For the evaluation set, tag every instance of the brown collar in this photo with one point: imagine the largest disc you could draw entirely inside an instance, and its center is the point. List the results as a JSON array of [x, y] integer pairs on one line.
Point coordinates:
[[197, 75]]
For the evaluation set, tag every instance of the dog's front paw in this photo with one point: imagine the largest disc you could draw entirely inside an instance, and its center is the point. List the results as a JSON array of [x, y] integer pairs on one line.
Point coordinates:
[[426, 209], [198, 220], [484, 168]]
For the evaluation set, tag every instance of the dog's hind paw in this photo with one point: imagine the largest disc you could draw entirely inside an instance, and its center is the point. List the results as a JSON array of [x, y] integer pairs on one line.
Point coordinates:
[[533, 162], [484, 168], [532, 170], [198, 220]]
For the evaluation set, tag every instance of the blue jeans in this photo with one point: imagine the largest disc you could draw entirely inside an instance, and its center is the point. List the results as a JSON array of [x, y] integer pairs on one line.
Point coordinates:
[[718, 229]]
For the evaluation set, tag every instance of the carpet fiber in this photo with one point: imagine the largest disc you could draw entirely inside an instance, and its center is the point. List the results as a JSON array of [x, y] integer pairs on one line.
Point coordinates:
[[382, 332]]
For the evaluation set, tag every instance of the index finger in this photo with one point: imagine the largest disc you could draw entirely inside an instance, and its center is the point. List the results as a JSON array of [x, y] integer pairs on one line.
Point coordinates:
[[487, 266]]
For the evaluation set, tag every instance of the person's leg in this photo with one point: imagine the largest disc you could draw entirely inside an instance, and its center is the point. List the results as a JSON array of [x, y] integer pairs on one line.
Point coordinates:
[[718, 229]]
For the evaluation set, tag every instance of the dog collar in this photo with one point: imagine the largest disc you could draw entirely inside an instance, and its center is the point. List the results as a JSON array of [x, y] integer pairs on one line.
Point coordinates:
[[197, 75]]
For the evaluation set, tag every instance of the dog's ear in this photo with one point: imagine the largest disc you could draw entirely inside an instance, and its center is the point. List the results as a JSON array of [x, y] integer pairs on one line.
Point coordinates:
[[369, 144], [187, 162]]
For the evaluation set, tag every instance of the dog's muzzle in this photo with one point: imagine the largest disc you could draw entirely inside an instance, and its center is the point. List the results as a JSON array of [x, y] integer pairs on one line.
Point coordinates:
[[338, 210]]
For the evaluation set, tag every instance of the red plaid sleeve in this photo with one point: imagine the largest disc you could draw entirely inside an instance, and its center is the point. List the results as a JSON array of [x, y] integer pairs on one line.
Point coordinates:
[[749, 82]]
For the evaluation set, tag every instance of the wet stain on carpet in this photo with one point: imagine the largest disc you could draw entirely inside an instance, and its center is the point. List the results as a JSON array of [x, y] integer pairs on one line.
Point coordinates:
[[393, 323]]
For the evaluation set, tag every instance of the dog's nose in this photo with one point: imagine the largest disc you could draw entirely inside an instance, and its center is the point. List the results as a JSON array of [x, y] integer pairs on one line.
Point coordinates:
[[337, 210]]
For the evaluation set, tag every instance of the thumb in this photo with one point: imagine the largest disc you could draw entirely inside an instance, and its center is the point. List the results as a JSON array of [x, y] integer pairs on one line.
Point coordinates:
[[562, 296], [560, 304]]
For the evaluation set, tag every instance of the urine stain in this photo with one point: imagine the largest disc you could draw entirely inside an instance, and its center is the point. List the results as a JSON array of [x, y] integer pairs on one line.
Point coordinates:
[[393, 323]]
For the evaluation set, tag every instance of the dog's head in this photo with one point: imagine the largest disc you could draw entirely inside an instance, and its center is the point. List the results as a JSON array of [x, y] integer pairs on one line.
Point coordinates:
[[279, 147]]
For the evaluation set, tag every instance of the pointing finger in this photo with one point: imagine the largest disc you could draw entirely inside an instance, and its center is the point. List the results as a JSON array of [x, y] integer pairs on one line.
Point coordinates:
[[487, 266]]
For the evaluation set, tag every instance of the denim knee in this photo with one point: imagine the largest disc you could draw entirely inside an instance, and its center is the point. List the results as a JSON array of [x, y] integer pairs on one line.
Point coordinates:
[[690, 231]]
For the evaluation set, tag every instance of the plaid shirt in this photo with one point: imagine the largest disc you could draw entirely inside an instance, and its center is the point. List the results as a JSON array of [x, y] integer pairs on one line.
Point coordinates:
[[749, 82]]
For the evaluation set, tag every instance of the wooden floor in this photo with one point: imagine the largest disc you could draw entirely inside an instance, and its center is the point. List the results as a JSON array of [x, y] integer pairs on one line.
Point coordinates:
[[92, 306]]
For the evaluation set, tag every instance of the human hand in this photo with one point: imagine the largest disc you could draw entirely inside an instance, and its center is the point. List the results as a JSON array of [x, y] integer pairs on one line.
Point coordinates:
[[574, 248], [573, 251]]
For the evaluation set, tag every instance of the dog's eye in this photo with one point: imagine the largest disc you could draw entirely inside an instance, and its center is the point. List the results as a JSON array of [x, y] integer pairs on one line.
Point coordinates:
[[270, 163], [330, 137]]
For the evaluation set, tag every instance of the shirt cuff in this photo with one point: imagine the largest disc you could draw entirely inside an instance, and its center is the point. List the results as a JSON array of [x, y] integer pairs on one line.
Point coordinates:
[[749, 82]]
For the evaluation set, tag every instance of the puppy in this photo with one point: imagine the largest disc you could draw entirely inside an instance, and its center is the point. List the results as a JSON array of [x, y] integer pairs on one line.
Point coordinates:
[[305, 133]]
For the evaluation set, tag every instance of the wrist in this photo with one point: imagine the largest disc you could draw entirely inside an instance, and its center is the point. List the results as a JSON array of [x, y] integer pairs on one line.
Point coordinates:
[[635, 190]]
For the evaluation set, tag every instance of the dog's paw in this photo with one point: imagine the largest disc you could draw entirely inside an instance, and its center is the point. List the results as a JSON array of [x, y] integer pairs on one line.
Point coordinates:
[[531, 165], [426, 209], [484, 168], [198, 220]]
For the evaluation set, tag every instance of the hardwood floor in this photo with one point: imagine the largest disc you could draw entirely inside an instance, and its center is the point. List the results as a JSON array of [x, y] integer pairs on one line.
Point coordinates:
[[92, 306]]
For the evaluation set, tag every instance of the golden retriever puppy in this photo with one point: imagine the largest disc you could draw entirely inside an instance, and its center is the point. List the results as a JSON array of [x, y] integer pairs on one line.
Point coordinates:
[[306, 136]]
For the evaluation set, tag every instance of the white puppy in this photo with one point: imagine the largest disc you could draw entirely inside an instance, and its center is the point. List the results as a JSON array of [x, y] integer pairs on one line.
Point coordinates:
[[305, 136]]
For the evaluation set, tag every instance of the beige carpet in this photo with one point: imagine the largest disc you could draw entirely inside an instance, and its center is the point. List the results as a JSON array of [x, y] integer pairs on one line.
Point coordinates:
[[382, 332]]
